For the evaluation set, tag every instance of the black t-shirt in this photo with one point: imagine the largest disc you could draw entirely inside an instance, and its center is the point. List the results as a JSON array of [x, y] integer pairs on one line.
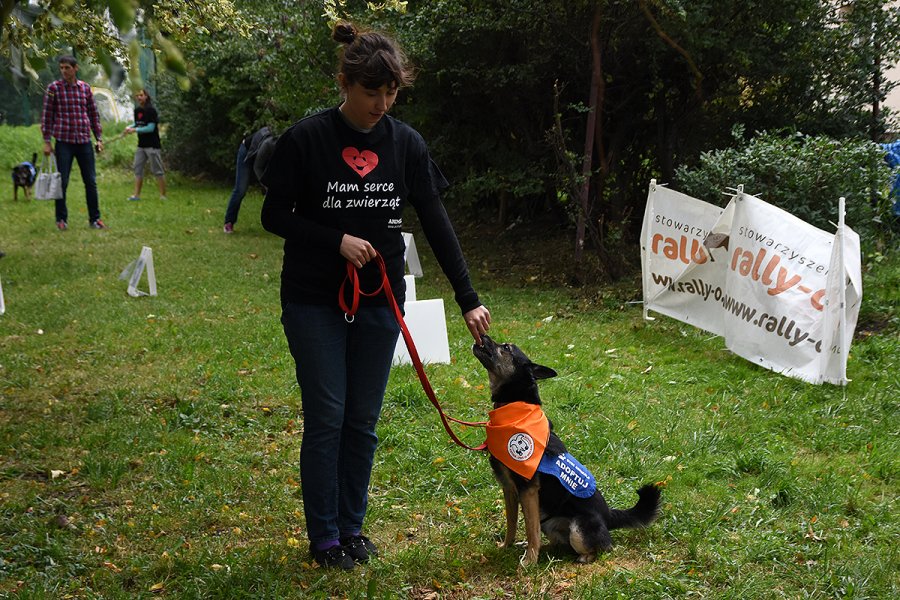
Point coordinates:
[[144, 115], [326, 179]]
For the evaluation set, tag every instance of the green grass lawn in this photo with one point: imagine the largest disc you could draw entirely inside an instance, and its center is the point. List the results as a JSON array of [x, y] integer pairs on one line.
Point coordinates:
[[149, 447]]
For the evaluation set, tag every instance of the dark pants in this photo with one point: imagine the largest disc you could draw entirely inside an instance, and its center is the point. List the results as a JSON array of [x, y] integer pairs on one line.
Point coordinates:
[[241, 183], [343, 370], [84, 154]]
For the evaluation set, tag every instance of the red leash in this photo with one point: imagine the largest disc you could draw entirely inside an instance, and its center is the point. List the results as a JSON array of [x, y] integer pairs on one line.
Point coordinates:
[[350, 311]]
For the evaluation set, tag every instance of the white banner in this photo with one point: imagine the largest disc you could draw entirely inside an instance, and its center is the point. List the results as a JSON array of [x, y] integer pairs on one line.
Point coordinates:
[[782, 293]]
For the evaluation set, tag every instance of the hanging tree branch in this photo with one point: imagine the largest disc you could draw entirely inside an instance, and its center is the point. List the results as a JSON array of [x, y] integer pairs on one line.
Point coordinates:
[[698, 76]]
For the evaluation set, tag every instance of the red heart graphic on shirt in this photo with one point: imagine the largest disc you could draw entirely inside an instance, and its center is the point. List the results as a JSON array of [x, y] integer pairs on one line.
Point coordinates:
[[362, 163]]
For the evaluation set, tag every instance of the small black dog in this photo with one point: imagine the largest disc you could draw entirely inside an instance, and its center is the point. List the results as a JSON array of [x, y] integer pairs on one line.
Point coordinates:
[[581, 522], [23, 176]]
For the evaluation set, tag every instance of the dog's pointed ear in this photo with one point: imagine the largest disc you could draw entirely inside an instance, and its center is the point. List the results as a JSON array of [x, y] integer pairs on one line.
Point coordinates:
[[542, 372]]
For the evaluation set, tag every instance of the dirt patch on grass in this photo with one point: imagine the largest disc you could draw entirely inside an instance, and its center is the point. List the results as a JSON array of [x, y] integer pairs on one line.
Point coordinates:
[[873, 325]]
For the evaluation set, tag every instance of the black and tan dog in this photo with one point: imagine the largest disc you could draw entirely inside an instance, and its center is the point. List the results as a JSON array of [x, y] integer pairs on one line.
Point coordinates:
[[560, 497], [23, 176]]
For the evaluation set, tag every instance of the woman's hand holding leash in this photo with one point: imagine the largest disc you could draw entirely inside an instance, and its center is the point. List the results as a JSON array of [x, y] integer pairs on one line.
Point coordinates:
[[357, 250], [477, 319]]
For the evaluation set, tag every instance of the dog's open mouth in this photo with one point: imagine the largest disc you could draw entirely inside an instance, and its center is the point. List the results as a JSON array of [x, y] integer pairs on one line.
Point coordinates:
[[485, 351]]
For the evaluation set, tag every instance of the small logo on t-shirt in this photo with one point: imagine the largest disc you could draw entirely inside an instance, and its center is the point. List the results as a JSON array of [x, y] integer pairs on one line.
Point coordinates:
[[520, 447], [362, 163]]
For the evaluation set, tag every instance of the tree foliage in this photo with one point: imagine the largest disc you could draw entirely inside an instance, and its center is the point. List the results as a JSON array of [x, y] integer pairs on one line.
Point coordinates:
[[281, 70], [507, 89], [107, 31], [802, 174], [673, 78]]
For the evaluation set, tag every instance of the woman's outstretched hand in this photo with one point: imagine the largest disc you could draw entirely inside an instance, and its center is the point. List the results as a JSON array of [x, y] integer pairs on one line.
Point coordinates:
[[478, 320]]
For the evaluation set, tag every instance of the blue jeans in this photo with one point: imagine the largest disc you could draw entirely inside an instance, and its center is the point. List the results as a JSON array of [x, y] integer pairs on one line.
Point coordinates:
[[84, 154], [241, 183], [343, 370]]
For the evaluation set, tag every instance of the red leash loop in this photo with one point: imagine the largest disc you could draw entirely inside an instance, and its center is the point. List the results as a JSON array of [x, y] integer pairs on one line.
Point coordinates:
[[350, 311]]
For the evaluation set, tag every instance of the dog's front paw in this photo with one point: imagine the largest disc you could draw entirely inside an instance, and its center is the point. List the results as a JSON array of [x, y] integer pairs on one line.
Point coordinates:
[[530, 557]]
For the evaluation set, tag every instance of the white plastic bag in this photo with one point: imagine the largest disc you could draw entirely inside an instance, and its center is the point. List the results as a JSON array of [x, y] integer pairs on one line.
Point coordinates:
[[48, 185]]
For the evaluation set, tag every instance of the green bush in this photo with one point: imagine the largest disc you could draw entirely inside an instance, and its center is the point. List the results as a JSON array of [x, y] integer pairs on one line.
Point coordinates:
[[802, 174], [17, 143]]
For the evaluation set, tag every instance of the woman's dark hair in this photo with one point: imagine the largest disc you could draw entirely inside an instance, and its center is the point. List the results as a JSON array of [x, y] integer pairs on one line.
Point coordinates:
[[149, 101], [371, 59]]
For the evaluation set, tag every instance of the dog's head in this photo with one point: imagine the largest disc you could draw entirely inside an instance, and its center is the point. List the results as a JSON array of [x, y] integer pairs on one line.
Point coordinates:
[[24, 174], [513, 376]]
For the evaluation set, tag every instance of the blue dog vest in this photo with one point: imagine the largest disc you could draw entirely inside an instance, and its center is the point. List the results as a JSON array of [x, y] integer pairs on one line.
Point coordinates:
[[573, 475]]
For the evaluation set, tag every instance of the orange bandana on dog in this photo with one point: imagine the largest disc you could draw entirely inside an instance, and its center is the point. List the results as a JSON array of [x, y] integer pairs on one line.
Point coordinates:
[[517, 434]]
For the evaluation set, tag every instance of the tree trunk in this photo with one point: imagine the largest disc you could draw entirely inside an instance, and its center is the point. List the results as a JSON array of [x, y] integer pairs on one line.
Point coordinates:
[[592, 129], [503, 213], [876, 92]]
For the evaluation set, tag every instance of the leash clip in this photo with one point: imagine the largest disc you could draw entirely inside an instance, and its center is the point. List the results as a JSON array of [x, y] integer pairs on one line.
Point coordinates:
[[349, 318]]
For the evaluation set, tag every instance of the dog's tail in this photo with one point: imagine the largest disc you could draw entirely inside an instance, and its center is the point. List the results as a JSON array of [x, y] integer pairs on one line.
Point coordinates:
[[641, 514]]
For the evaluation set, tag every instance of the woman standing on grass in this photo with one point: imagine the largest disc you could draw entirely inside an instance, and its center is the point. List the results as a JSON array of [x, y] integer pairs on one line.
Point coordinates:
[[149, 150], [336, 186]]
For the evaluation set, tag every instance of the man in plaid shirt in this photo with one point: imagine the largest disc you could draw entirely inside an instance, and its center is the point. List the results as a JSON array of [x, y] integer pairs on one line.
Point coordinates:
[[69, 116]]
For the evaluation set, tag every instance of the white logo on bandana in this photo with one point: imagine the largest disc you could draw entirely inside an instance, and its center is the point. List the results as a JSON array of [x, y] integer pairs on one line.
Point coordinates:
[[520, 447]]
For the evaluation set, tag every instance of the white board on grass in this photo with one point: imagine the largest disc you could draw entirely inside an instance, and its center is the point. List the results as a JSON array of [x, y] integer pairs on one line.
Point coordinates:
[[427, 325], [135, 269]]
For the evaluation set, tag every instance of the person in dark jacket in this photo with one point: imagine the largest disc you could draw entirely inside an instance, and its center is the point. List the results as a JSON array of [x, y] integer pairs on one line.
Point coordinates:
[[337, 185], [252, 155], [149, 150]]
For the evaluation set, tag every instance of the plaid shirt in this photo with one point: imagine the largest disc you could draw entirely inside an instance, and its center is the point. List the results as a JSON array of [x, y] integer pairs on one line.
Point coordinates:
[[70, 113]]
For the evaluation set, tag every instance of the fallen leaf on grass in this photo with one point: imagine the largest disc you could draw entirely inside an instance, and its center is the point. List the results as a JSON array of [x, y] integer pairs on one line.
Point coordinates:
[[62, 521], [157, 587], [811, 535]]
